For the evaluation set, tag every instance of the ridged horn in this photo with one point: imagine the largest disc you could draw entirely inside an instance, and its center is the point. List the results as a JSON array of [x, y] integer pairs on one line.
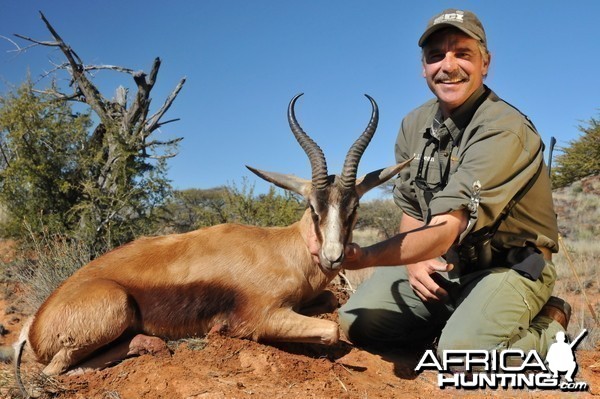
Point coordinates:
[[348, 177], [312, 150]]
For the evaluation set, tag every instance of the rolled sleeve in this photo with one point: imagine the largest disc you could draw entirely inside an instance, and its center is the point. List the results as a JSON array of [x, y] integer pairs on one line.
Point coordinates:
[[502, 161]]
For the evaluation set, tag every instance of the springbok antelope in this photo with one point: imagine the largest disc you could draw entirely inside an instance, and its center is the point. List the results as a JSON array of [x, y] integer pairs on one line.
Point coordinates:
[[252, 282]]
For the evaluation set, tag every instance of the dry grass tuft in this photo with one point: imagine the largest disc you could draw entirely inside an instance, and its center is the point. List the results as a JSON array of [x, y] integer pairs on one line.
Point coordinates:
[[578, 282], [194, 344], [43, 265], [37, 385]]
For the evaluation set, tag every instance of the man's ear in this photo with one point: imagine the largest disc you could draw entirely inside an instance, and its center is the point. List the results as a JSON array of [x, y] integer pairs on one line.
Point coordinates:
[[487, 65]]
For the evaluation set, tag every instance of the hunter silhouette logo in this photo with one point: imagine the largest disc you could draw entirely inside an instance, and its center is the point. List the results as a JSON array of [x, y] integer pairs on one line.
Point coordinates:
[[510, 368], [561, 358]]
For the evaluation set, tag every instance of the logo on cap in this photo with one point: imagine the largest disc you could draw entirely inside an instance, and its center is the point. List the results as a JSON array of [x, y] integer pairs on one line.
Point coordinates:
[[465, 21], [451, 17]]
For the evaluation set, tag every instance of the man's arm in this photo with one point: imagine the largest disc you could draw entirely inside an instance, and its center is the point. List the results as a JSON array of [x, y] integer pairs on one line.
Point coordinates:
[[417, 246], [419, 242]]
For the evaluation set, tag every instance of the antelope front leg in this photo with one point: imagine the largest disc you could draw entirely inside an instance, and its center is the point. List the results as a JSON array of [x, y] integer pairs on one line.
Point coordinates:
[[288, 326], [325, 302]]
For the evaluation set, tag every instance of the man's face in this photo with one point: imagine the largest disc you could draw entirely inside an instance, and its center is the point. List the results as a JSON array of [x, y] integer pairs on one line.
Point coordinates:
[[453, 67]]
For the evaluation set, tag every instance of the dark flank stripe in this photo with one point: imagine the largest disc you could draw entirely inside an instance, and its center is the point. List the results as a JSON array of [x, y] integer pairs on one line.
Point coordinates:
[[184, 310]]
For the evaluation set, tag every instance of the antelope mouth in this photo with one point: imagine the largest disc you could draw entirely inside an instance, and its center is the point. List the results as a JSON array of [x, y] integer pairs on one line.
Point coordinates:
[[331, 266]]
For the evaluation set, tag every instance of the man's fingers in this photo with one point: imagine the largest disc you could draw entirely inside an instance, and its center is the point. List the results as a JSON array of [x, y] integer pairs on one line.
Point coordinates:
[[421, 291], [441, 294], [429, 290], [351, 251], [436, 292], [441, 267], [353, 257], [427, 283]]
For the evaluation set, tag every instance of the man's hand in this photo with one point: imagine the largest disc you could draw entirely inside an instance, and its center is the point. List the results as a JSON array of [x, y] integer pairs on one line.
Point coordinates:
[[419, 277], [354, 257]]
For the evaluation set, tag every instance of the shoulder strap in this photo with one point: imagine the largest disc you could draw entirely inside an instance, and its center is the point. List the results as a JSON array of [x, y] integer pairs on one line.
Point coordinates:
[[486, 233], [516, 198]]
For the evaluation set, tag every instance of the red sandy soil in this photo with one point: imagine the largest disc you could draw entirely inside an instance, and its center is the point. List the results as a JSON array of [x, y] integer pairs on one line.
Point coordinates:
[[223, 367]]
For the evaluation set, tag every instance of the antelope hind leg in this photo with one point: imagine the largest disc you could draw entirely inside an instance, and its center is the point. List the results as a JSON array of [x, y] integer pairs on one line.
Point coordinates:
[[95, 315], [133, 346], [285, 325]]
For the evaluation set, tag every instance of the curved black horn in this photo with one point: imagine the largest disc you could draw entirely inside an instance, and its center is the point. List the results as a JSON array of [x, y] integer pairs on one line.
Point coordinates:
[[348, 177], [312, 150]]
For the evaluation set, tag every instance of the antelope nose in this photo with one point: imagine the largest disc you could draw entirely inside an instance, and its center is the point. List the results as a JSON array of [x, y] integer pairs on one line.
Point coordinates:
[[333, 259]]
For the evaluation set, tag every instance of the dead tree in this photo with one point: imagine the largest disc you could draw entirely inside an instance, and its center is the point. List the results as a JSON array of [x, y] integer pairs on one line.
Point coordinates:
[[123, 137]]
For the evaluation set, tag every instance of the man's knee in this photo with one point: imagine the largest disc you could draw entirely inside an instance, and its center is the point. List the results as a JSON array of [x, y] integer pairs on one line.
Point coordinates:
[[369, 327], [361, 326], [380, 328], [467, 339], [463, 340]]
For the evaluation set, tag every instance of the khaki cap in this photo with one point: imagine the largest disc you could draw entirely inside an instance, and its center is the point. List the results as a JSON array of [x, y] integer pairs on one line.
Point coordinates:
[[466, 21]]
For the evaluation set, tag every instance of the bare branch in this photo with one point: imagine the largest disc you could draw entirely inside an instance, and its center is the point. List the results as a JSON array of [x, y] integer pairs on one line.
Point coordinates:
[[154, 72], [61, 43], [92, 96], [160, 157], [38, 42], [140, 104], [56, 68], [153, 123], [17, 47], [117, 68], [158, 126], [140, 107], [155, 143], [58, 95], [121, 96]]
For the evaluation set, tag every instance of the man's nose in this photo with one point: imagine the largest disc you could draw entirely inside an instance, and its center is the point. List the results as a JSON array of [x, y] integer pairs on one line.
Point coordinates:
[[449, 62]]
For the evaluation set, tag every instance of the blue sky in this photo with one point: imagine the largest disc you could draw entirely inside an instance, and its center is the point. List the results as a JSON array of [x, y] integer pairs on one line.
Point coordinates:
[[244, 60]]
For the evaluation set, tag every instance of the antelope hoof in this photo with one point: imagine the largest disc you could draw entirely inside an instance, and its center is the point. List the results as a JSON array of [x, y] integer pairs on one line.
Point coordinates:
[[332, 337], [143, 344]]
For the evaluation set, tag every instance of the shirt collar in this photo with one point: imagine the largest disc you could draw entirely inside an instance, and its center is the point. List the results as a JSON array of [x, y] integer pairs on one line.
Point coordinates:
[[461, 116]]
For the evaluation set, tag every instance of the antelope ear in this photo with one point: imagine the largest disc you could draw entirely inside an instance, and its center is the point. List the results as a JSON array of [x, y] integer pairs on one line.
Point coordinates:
[[373, 179], [288, 182]]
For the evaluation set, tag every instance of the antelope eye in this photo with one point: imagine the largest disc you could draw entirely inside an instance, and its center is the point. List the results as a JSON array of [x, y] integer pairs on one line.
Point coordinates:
[[314, 213]]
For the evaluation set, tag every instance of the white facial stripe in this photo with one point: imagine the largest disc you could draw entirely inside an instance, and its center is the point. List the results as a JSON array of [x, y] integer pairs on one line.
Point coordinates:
[[332, 238]]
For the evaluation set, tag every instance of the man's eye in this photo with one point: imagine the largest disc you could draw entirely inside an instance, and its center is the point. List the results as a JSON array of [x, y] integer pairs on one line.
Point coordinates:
[[433, 58]]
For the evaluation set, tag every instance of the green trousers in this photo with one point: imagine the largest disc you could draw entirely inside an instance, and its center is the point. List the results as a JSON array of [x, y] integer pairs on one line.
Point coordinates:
[[495, 308]]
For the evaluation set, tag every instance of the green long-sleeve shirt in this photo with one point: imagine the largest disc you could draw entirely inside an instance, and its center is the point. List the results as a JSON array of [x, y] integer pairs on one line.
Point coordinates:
[[485, 140]]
